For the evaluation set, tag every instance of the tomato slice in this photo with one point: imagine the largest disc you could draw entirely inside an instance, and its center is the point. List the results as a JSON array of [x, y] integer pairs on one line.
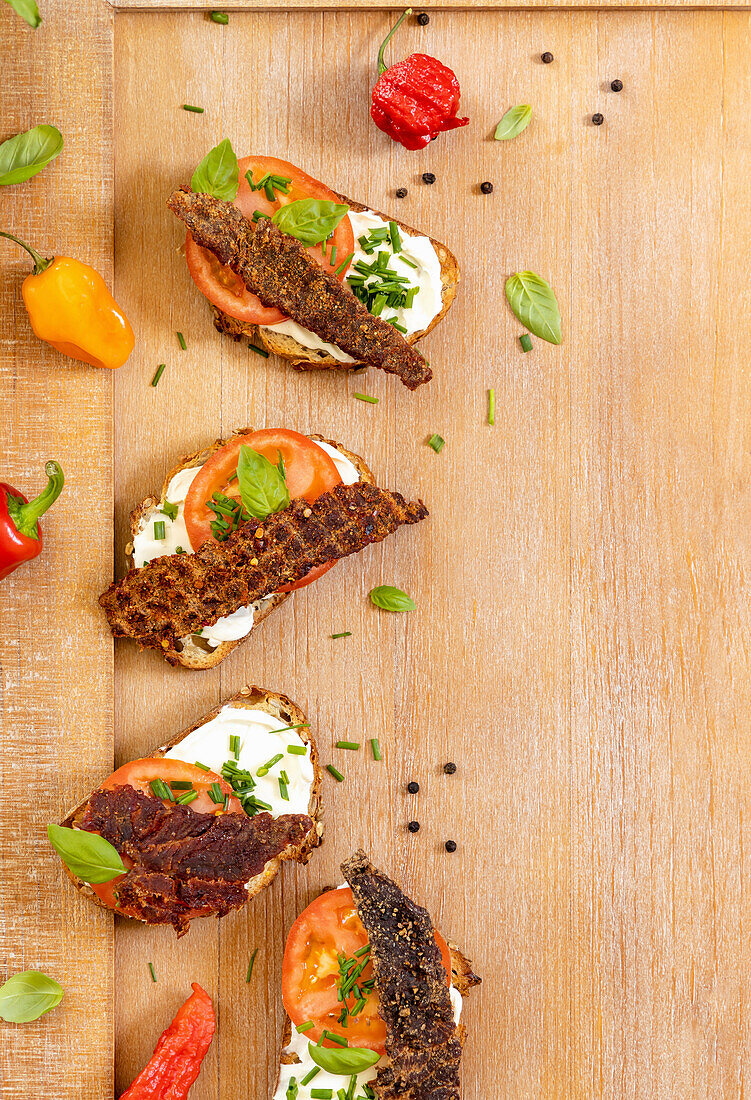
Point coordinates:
[[220, 284], [139, 775], [328, 929]]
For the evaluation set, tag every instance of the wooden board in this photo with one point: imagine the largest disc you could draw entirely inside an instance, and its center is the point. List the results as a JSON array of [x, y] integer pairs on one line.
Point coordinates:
[[581, 642]]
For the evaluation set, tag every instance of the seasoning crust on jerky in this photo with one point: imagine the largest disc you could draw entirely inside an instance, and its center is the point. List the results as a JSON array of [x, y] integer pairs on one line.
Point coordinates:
[[423, 1043], [279, 270], [172, 597]]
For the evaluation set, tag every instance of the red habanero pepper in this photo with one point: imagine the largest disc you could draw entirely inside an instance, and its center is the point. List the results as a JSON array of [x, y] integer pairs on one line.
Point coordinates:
[[416, 99], [20, 536], [177, 1057]]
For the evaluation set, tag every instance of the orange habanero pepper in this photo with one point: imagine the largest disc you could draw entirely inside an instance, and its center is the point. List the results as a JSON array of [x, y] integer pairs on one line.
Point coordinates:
[[70, 307]]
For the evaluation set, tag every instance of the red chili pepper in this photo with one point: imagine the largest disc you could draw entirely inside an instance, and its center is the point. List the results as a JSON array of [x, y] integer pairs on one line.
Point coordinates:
[[20, 536], [416, 99], [176, 1061]]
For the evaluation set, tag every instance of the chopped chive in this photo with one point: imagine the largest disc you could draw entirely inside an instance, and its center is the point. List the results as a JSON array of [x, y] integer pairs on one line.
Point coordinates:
[[269, 189], [491, 407], [335, 772], [283, 775], [234, 745], [437, 442], [180, 785], [151, 970], [409, 264], [190, 107], [249, 178], [302, 1028], [526, 342], [159, 530], [348, 744], [376, 748], [343, 264], [203, 767], [396, 240], [181, 341], [220, 17], [216, 794], [367, 397], [299, 726], [259, 351], [344, 634], [283, 792], [185, 799], [296, 750], [159, 372], [322, 1094], [338, 1039], [265, 768], [160, 790], [250, 967], [309, 1076], [332, 256], [169, 510]]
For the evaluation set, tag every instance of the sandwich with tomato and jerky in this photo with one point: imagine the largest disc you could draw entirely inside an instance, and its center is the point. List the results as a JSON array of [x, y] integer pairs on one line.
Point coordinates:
[[237, 528], [319, 279], [373, 995], [205, 821]]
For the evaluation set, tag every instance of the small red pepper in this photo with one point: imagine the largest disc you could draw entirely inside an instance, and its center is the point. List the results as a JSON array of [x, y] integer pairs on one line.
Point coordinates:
[[176, 1061], [20, 536], [416, 99]]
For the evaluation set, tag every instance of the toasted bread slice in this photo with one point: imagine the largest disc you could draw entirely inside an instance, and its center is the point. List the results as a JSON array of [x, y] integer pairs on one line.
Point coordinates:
[[279, 707], [303, 358], [196, 653]]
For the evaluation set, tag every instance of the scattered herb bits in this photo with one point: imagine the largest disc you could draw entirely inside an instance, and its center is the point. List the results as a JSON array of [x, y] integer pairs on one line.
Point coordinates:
[[220, 17], [335, 772], [486, 187], [547, 58], [491, 407], [343, 634], [449, 768], [437, 442], [354, 745], [401, 192], [389, 598], [259, 351], [413, 787], [159, 372], [367, 397], [152, 972], [428, 177], [302, 1028], [598, 119], [193, 109], [181, 341], [513, 122], [375, 748], [526, 342], [251, 965], [616, 85], [450, 845], [413, 826]]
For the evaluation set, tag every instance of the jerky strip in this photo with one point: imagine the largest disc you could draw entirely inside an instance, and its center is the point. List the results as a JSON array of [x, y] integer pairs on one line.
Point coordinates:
[[422, 1039], [282, 273], [172, 597]]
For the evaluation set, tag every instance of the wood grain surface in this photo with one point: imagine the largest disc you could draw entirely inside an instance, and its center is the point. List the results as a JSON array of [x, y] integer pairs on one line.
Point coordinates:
[[55, 652], [581, 644]]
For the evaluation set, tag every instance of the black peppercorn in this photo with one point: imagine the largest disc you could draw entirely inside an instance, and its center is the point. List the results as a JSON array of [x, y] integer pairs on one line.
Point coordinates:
[[486, 188], [428, 177], [423, 19], [414, 826], [450, 845], [449, 768], [413, 787], [546, 57], [617, 85], [401, 192], [598, 119]]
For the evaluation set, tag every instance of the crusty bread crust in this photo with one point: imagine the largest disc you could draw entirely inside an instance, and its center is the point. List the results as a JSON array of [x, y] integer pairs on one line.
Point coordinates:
[[303, 358], [463, 979], [288, 713], [195, 652]]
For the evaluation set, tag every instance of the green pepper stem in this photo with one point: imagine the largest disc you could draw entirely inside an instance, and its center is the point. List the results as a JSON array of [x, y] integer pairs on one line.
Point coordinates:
[[382, 66], [39, 261], [26, 516]]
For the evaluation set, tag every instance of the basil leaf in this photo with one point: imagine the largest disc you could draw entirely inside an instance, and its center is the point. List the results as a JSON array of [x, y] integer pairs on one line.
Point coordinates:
[[263, 489], [87, 855], [28, 10], [535, 305], [392, 599], [27, 996], [22, 156], [217, 174], [310, 220], [343, 1061], [513, 122]]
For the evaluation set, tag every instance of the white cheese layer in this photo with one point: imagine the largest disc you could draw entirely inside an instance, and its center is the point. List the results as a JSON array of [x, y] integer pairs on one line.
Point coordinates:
[[209, 745], [299, 1045], [426, 275], [146, 547]]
